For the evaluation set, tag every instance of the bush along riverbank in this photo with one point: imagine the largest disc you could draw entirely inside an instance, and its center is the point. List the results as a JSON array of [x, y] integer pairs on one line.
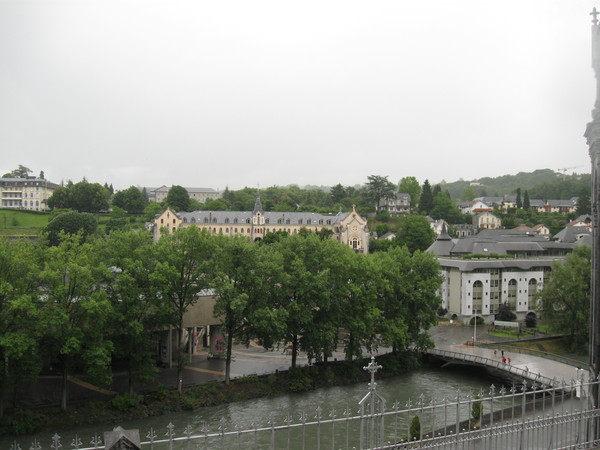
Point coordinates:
[[163, 401]]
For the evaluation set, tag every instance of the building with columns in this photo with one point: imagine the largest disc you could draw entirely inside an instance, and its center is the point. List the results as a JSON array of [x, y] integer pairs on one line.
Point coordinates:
[[347, 227]]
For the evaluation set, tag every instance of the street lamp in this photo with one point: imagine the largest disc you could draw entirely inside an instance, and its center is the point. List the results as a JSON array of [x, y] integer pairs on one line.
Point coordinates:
[[474, 329]]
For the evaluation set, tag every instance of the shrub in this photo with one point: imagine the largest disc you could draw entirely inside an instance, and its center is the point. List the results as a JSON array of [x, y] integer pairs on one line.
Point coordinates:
[[415, 428], [247, 379], [480, 321], [21, 421], [442, 311], [299, 381], [476, 410], [188, 403], [530, 321], [125, 402]]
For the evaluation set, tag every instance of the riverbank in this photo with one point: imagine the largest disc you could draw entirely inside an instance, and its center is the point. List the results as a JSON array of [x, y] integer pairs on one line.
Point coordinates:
[[163, 401]]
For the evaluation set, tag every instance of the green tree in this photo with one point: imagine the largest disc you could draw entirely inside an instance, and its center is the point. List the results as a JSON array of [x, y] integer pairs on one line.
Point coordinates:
[[415, 428], [526, 201], [19, 314], [445, 208], [565, 297], [184, 270], [89, 197], [137, 308], [411, 186], [518, 200], [245, 276], [378, 188], [337, 193], [406, 296], [75, 311], [82, 197], [415, 233], [151, 210], [504, 313], [358, 310], [131, 200], [60, 199], [426, 199], [178, 198], [303, 288], [476, 410], [584, 205], [20, 172], [70, 223]]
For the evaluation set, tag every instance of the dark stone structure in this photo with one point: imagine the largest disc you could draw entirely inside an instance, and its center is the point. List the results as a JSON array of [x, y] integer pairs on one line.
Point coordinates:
[[592, 134]]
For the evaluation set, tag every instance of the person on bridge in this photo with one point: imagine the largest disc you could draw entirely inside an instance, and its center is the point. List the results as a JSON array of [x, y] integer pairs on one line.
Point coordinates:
[[508, 359], [503, 360]]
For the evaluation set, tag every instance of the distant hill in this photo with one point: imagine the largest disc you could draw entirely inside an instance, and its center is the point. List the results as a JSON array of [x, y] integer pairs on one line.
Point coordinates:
[[541, 183]]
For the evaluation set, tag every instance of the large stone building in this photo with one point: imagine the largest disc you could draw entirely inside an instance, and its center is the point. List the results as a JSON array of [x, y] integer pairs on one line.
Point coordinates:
[[347, 227], [200, 194], [495, 267], [26, 193]]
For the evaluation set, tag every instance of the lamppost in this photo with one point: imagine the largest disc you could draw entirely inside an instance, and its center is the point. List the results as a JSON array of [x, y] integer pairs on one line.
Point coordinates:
[[474, 328]]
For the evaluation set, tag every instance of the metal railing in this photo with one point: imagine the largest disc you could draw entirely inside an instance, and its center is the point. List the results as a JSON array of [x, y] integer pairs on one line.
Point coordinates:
[[543, 414], [494, 363], [526, 351]]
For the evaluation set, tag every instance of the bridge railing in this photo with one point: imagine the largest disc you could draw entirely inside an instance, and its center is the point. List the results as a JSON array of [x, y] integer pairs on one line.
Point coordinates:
[[526, 351], [494, 363]]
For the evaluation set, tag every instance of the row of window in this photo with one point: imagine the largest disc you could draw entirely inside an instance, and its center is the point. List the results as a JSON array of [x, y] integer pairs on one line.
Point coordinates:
[[267, 221], [20, 203]]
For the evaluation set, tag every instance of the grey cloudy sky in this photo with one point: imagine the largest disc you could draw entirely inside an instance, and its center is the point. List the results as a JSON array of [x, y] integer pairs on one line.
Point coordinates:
[[253, 92]]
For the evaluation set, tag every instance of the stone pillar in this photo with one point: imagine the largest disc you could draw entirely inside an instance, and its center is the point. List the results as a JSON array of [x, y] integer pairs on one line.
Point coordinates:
[[592, 134]]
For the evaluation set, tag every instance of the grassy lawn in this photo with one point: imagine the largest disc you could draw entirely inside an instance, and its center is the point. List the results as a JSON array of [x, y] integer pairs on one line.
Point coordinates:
[[509, 333], [14, 221]]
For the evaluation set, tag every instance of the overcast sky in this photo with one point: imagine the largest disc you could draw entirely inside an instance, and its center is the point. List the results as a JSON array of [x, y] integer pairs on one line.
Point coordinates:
[[262, 93]]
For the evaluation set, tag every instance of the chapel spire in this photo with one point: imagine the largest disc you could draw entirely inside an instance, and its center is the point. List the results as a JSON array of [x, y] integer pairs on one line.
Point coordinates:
[[257, 204]]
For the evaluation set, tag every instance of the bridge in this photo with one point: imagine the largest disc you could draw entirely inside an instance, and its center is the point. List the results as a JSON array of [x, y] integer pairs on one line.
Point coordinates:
[[522, 366]]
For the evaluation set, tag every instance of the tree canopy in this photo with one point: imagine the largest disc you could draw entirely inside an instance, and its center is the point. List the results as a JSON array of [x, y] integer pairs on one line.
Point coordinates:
[[70, 223], [411, 186], [82, 197], [131, 200], [379, 188], [565, 297], [178, 198]]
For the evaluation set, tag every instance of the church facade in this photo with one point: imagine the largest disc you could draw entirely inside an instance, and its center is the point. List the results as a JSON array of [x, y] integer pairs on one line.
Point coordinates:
[[346, 227]]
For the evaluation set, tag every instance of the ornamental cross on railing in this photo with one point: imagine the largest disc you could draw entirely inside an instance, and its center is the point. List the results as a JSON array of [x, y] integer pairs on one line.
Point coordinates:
[[373, 367], [594, 13]]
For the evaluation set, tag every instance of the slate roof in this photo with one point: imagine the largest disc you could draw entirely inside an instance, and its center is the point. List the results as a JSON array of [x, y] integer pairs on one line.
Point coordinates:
[[271, 217], [501, 242], [572, 234]]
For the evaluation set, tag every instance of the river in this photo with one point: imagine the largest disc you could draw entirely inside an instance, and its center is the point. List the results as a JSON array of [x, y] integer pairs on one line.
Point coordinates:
[[433, 383]]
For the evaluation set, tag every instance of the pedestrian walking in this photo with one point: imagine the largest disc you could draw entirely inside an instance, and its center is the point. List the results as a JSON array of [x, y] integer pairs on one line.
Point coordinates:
[[503, 360], [502, 351], [508, 359], [495, 352]]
